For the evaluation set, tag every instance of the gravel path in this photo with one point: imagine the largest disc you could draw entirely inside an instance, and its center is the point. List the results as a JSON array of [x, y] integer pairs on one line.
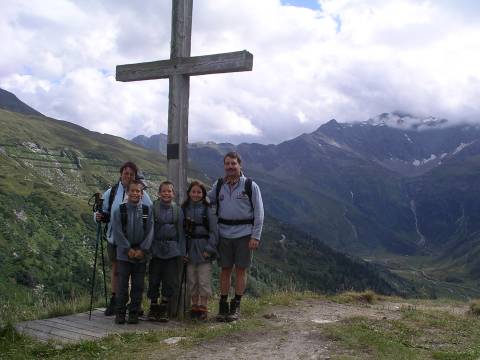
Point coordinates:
[[289, 332]]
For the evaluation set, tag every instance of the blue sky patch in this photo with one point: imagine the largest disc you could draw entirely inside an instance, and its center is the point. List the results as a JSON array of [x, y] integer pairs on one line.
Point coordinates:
[[311, 4]]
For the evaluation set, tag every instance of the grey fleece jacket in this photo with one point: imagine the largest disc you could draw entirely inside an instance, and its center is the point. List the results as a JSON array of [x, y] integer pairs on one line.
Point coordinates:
[[235, 205], [169, 238], [119, 199], [136, 237], [203, 240]]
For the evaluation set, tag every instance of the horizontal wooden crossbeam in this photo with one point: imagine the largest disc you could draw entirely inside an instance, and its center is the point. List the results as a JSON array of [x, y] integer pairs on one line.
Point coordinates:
[[194, 65]]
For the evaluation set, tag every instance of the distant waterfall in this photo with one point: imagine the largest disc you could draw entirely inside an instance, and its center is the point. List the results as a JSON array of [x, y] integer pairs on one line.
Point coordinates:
[[421, 242], [354, 229]]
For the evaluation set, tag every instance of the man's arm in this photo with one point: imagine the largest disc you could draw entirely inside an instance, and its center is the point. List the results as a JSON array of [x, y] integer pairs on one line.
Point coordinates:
[[211, 247], [258, 214]]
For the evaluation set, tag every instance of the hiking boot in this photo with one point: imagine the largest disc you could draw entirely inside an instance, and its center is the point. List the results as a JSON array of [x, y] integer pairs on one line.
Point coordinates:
[[234, 312], [154, 312], [110, 309], [141, 312], [132, 317], [120, 318], [202, 313], [222, 311], [163, 312]]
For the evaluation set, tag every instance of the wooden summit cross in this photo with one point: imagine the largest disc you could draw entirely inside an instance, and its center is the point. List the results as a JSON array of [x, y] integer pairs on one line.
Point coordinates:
[[178, 70]]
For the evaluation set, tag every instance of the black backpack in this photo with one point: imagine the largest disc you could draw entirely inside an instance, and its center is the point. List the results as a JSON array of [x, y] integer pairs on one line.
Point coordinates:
[[111, 198]]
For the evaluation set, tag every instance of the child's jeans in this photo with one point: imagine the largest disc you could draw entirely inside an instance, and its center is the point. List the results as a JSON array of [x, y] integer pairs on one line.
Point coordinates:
[[135, 272], [166, 273]]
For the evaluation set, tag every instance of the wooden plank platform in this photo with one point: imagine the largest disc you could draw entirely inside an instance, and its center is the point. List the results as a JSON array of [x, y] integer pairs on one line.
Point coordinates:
[[77, 327]]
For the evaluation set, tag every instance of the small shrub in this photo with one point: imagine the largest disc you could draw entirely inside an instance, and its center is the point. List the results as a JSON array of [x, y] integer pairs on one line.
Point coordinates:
[[364, 297], [475, 307]]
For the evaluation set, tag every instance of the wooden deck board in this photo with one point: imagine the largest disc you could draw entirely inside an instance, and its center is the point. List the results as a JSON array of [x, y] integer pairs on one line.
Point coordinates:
[[78, 327], [85, 324]]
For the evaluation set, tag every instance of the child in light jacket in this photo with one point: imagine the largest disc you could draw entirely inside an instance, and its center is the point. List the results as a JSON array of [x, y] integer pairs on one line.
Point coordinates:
[[202, 238]]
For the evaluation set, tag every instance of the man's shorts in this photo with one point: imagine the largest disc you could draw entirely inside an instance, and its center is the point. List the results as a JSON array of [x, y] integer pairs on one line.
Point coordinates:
[[111, 252], [235, 252]]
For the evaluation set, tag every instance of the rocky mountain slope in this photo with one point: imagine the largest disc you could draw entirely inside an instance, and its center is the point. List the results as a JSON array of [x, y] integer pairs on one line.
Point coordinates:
[[9, 101], [154, 142]]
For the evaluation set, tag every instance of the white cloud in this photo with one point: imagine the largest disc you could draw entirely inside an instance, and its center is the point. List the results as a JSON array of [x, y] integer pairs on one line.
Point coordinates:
[[350, 60]]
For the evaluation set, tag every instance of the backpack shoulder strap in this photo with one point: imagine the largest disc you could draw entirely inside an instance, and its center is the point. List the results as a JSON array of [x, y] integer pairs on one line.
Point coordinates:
[[218, 188], [144, 218], [111, 198], [248, 190], [176, 210], [124, 218], [205, 221], [156, 209]]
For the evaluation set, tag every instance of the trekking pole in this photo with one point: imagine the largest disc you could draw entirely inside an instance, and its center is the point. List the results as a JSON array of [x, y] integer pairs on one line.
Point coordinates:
[[182, 279], [185, 289], [99, 229], [103, 270], [97, 206]]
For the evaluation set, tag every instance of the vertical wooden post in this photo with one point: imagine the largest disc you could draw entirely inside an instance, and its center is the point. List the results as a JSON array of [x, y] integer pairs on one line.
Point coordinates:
[[179, 93]]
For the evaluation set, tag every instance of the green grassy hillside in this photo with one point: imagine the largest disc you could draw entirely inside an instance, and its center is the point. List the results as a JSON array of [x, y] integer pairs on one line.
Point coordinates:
[[48, 170]]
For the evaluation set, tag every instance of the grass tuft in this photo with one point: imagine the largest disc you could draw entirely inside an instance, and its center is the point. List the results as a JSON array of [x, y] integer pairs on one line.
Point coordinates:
[[364, 297], [475, 307]]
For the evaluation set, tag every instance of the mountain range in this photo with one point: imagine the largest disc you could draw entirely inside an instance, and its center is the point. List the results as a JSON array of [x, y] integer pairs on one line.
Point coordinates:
[[50, 169], [395, 189]]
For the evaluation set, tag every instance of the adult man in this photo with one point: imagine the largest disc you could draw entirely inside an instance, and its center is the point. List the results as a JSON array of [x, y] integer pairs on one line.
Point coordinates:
[[113, 197], [240, 222]]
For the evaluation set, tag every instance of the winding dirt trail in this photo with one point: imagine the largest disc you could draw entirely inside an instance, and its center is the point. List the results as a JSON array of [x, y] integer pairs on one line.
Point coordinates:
[[289, 332]]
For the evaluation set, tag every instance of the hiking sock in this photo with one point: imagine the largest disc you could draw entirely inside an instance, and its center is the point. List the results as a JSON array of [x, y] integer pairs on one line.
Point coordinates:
[[222, 308]]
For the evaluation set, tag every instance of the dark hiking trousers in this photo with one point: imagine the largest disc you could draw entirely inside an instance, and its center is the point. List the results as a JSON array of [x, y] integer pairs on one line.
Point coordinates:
[[135, 272], [164, 272]]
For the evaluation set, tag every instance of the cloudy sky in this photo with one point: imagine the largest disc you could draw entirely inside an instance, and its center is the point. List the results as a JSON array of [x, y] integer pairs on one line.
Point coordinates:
[[313, 61]]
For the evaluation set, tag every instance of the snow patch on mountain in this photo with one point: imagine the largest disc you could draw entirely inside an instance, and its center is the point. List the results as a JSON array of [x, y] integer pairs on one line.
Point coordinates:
[[461, 147], [424, 161], [332, 142], [406, 122]]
